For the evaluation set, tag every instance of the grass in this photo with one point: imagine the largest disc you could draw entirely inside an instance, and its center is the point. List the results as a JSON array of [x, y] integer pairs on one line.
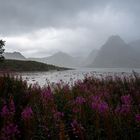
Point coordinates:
[[104, 109], [18, 65]]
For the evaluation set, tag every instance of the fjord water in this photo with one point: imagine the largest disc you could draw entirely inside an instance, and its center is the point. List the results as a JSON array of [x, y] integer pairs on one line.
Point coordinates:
[[70, 76]]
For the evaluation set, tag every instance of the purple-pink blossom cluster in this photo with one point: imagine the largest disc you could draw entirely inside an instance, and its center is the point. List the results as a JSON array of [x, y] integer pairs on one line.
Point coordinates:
[[80, 100], [93, 108], [9, 132], [137, 118], [126, 99], [101, 107], [126, 107], [27, 114]]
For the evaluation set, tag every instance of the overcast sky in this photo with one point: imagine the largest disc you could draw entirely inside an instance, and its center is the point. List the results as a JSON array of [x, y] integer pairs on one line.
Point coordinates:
[[39, 28]]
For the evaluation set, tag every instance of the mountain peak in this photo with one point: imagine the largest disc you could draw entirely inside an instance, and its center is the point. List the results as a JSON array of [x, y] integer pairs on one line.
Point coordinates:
[[113, 42], [115, 38], [16, 52], [61, 54], [116, 53], [14, 55]]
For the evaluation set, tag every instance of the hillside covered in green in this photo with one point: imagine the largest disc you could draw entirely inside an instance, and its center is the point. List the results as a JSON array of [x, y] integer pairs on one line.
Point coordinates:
[[18, 65]]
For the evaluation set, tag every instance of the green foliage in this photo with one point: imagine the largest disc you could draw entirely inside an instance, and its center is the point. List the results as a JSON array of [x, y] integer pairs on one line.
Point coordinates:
[[104, 109], [18, 65], [2, 44]]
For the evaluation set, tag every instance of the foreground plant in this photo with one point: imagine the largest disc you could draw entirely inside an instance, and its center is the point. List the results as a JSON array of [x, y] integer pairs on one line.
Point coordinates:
[[105, 108]]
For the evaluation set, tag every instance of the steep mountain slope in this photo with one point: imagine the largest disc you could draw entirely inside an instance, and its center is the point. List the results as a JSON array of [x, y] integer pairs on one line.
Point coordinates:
[[116, 53], [60, 59], [14, 56], [90, 58], [136, 45]]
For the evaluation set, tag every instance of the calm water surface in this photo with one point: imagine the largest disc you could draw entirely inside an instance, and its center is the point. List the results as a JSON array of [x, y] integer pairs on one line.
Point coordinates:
[[70, 76]]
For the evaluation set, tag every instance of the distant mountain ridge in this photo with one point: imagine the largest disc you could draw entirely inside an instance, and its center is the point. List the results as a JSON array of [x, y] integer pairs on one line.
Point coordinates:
[[14, 56], [136, 45], [116, 53], [60, 59]]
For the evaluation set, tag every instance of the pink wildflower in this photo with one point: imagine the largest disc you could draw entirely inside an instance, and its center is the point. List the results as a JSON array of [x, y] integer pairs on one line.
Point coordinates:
[[58, 115], [123, 110], [77, 129], [75, 110], [137, 118], [96, 98], [47, 95], [80, 100], [12, 106], [126, 99], [9, 132], [5, 111], [100, 106], [27, 113]]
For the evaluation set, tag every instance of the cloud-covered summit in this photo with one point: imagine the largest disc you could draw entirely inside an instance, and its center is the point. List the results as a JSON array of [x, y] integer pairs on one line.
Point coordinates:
[[42, 27]]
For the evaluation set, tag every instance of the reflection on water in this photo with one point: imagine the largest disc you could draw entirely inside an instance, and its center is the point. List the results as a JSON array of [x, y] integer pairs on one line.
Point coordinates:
[[70, 76]]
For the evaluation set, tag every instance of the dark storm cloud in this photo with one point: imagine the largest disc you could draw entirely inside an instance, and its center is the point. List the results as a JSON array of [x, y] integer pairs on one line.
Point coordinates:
[[66, 24], [27, 15]]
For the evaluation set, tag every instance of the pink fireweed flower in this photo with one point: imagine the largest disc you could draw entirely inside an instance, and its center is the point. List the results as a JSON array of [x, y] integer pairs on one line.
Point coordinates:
[[126, 99], [58, 115], [106, 95], [80, 100], [123, 109], [77, 128], [117, 110], [47, 95], [126, 106], [100, 106], [103, 107], [95, 98], [9, 132], [12, 106], [75, 110], [137, 118], [27, 113], [5, 111], [74, 125], [8, 110], [66, 88]]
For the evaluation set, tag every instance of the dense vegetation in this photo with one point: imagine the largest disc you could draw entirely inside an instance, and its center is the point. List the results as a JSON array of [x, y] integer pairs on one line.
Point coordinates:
[[2, 44], [103, 109], [18, 65]]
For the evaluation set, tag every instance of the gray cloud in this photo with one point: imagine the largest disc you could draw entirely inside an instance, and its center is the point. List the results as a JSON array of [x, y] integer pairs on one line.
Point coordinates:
[[22, 16], [67, 25]]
